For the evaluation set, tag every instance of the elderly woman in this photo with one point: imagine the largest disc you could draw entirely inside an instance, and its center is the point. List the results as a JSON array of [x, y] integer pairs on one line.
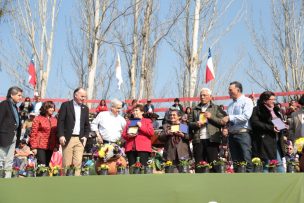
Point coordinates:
[[43, 138], [268, 139], [176, 141], [138, 133]]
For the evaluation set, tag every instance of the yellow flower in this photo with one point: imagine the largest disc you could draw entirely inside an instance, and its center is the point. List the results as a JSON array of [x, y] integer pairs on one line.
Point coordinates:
[[101, 153]]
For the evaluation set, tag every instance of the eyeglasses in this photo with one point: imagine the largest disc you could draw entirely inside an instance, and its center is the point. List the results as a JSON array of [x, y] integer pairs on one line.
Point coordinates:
[[289, 148]]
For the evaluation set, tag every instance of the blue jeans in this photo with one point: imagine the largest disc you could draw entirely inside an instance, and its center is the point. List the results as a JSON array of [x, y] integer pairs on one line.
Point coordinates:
[[240, 149], [7, 158]]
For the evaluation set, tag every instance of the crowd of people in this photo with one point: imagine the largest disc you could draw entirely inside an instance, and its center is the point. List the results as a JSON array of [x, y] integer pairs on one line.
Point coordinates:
[[207, 133]]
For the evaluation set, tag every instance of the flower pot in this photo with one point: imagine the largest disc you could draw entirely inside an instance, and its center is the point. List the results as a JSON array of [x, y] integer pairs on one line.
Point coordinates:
[[136, 170], [272, 169], [148, 170], [291, 168], [85, 173], [43, 174], [56, 174], [257, 169], [104, 172], [120, 171], [15, 174], [241, 169], [169, 169], [2, 173], [70, 172], [221, 168], [30, 173], [183, 169], [205, 169]]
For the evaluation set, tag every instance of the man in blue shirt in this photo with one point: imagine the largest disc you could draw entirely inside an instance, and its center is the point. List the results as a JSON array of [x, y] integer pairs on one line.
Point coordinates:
[[239, 113]]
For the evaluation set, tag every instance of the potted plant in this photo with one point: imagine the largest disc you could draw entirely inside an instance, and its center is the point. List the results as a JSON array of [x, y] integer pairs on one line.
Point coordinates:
[[42, 170], [272, 166], [257, 165], [121, 169], [30, 170], [103, 169], [169, 168], [149, 167], [291, 166], [136, 168], [55, 171], [241, 166], [70, 170], [220, 165], [204, 166], [15, 172], [183, 166]]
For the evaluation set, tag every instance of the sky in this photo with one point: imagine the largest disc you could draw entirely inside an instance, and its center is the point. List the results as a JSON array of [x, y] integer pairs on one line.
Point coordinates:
[[230, 46]]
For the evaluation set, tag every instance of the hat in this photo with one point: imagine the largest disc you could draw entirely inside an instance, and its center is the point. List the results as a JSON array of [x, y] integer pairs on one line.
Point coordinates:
[[32, 114], [149, 100]]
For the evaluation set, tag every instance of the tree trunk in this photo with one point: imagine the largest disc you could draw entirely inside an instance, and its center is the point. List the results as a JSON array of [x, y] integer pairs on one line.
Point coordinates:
[[146, 37], [135, 51], [92, 68], [194, 56]]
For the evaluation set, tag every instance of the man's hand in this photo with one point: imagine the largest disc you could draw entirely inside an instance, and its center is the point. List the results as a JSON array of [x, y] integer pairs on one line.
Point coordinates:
[[225, 120], [99, 138], [180, 134], [83, 141], [62, 140], [207, 114]]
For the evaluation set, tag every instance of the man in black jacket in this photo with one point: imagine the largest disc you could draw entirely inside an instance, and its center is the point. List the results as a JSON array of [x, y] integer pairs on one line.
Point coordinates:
[[10, 128], [73, 129]]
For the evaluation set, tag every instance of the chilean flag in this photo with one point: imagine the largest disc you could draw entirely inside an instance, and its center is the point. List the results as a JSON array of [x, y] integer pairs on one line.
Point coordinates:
[[209, 68], [32, 73]]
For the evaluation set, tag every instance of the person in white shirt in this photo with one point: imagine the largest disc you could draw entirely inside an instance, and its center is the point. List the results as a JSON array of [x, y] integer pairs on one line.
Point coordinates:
[[108, 125]]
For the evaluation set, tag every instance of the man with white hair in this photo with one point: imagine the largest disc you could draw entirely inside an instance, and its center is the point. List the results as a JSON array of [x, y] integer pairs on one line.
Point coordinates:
[[205, 125], [109, 125]]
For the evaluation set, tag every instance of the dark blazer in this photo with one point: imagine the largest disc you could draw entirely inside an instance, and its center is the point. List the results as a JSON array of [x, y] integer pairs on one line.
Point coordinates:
[[66, 121], [264, 137], [8, 124]]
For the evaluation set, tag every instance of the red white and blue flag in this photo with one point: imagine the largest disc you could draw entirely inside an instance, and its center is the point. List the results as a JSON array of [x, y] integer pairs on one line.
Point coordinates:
[[32, 73], [209, 68]]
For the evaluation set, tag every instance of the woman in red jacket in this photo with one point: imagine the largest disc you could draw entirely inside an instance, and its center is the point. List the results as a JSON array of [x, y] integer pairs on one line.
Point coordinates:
[[102, 106], [138, 133], [43, 138]]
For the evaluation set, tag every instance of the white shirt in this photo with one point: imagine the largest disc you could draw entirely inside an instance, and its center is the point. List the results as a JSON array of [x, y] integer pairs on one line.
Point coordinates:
[[37, 108], [77, 109], [109, 126], [203, 131]]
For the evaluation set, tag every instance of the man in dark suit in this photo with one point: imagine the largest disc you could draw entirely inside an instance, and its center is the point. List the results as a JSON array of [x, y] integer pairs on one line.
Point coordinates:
[[10, 128], [73, 129]]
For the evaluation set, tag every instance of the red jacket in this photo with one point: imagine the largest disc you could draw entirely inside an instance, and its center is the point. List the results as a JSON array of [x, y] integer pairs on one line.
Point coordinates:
[[142, 141], [43, 134], [101, 108]]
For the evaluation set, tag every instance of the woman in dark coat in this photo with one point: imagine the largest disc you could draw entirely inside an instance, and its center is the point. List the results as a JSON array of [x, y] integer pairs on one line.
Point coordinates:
[[176, 143], [268, 140]]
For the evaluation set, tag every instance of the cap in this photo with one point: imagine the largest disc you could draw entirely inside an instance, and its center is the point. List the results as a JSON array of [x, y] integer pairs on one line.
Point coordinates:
[[32, 114]]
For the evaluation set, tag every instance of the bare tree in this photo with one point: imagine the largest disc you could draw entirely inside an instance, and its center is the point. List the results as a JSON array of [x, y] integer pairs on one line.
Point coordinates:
[[88, 50], [141, 42], [33, 27], [282, 51], [202, 20]]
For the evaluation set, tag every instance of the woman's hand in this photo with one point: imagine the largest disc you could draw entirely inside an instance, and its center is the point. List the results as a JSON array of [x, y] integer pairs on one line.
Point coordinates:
[[139, 124]]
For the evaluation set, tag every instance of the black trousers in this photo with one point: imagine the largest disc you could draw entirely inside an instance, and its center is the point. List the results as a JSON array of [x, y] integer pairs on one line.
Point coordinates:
[[44, 156], [132, 155], [205, 151]]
